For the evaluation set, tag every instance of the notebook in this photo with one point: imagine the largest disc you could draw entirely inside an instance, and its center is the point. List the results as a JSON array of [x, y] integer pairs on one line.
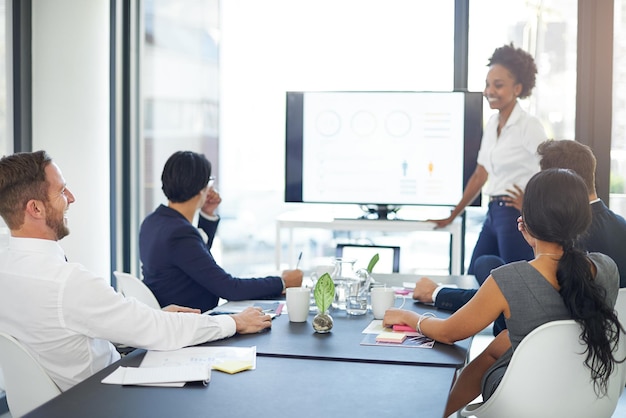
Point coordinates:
[[271, 307]]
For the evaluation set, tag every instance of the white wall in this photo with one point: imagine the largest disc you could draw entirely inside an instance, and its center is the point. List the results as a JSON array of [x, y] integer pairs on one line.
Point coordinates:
[[71, 116]]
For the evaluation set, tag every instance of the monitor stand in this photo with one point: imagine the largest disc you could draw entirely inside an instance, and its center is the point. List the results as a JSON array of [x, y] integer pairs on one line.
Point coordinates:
[[380, 212]]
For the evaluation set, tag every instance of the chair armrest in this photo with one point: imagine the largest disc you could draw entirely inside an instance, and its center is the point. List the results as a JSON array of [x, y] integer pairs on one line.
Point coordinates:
[[468, 410]]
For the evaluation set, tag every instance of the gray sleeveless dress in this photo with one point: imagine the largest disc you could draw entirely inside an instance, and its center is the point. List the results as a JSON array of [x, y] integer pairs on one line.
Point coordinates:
[[533, 302]]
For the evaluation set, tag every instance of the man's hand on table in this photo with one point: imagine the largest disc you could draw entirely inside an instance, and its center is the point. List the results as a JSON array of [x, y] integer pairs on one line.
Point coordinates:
[[177, 308], [424, 289], [252, 320]]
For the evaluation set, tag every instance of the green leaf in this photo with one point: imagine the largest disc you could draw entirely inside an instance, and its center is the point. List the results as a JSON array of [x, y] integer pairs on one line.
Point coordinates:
[[372, 263], [324, 292]]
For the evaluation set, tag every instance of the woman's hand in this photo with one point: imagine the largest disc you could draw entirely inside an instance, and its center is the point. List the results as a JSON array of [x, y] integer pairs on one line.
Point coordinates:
[[442, 223], [516, 197], [212, 201], [395, 316]]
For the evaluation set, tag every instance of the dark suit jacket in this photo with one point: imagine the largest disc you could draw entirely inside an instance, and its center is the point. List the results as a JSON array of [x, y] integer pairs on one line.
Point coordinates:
[[178, 266], [606, 235]]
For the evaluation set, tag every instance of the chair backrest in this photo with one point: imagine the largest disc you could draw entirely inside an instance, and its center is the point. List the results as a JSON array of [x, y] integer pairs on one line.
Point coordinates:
[[620, 306], [547, 378], [389, 261], [27, 384], [131, 286]]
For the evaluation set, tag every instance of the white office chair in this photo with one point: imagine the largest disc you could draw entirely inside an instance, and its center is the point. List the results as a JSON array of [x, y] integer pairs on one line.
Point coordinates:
[[547, 378], [131, 286], [620, 306], [27, 384]]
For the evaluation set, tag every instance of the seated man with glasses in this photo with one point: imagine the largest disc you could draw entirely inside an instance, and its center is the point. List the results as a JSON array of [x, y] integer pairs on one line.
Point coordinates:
[[176, 259]]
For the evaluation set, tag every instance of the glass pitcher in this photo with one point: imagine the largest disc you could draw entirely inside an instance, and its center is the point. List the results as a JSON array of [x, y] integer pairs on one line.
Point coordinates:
[[342, 274], [349, 284]]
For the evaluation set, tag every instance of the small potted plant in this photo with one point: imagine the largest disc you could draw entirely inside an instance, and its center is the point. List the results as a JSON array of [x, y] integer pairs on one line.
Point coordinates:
[[324, 295], [372, 263], [365, 275]]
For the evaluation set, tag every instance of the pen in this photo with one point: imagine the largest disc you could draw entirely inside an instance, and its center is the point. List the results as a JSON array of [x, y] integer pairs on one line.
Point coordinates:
[[299, 258]]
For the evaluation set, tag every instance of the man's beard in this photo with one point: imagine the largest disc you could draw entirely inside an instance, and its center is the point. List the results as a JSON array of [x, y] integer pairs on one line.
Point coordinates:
[[55, 221]]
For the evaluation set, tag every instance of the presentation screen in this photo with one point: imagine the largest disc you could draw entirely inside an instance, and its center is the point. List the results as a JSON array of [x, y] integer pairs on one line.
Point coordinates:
[[381, 148]]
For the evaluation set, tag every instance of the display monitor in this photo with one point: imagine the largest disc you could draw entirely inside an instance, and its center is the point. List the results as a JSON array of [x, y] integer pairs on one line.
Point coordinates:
[[381, 149]]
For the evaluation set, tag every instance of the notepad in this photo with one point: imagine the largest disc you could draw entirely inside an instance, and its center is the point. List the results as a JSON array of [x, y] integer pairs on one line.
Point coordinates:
[[233, 367], [390, 337], [401, 328], [161, 376]]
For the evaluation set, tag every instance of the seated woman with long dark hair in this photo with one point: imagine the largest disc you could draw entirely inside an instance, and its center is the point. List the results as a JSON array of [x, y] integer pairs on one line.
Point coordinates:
[[561, 282]]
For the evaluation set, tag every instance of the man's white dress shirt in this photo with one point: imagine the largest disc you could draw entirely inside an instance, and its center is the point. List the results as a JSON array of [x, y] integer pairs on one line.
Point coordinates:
[[66, 315]]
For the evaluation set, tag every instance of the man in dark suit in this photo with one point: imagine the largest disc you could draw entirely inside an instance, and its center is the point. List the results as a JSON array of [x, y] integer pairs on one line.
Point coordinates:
[[606, 234]]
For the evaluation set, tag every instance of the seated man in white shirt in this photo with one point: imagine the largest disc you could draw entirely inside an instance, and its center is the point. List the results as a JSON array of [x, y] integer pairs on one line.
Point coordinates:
[[61, 312]]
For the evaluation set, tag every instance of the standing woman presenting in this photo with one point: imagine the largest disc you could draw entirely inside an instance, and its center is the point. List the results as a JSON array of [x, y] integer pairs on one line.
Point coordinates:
[[507, 156]]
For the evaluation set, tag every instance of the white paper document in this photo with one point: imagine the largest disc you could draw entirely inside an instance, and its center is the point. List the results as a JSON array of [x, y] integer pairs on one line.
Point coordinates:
[[411, 285], [159, 376]]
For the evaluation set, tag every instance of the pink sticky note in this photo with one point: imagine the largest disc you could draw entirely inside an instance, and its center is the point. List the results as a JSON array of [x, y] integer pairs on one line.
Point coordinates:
[[399, 327]]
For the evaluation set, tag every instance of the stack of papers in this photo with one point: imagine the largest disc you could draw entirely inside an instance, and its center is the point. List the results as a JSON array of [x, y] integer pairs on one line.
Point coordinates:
[[190, 364], [376, 334], [390, 337], [159, 376]]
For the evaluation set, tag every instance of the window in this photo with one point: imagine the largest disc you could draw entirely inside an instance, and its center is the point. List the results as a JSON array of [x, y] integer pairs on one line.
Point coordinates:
[[4, 142], [180, 87], [548, 31], [617, 200], [214, 76]]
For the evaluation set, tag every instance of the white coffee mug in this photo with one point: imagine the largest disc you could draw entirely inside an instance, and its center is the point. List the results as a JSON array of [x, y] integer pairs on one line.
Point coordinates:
[[298, 300], [383, 298]]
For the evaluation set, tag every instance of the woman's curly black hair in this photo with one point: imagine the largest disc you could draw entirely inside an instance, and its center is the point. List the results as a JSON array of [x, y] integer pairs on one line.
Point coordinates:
[[520, 63]]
